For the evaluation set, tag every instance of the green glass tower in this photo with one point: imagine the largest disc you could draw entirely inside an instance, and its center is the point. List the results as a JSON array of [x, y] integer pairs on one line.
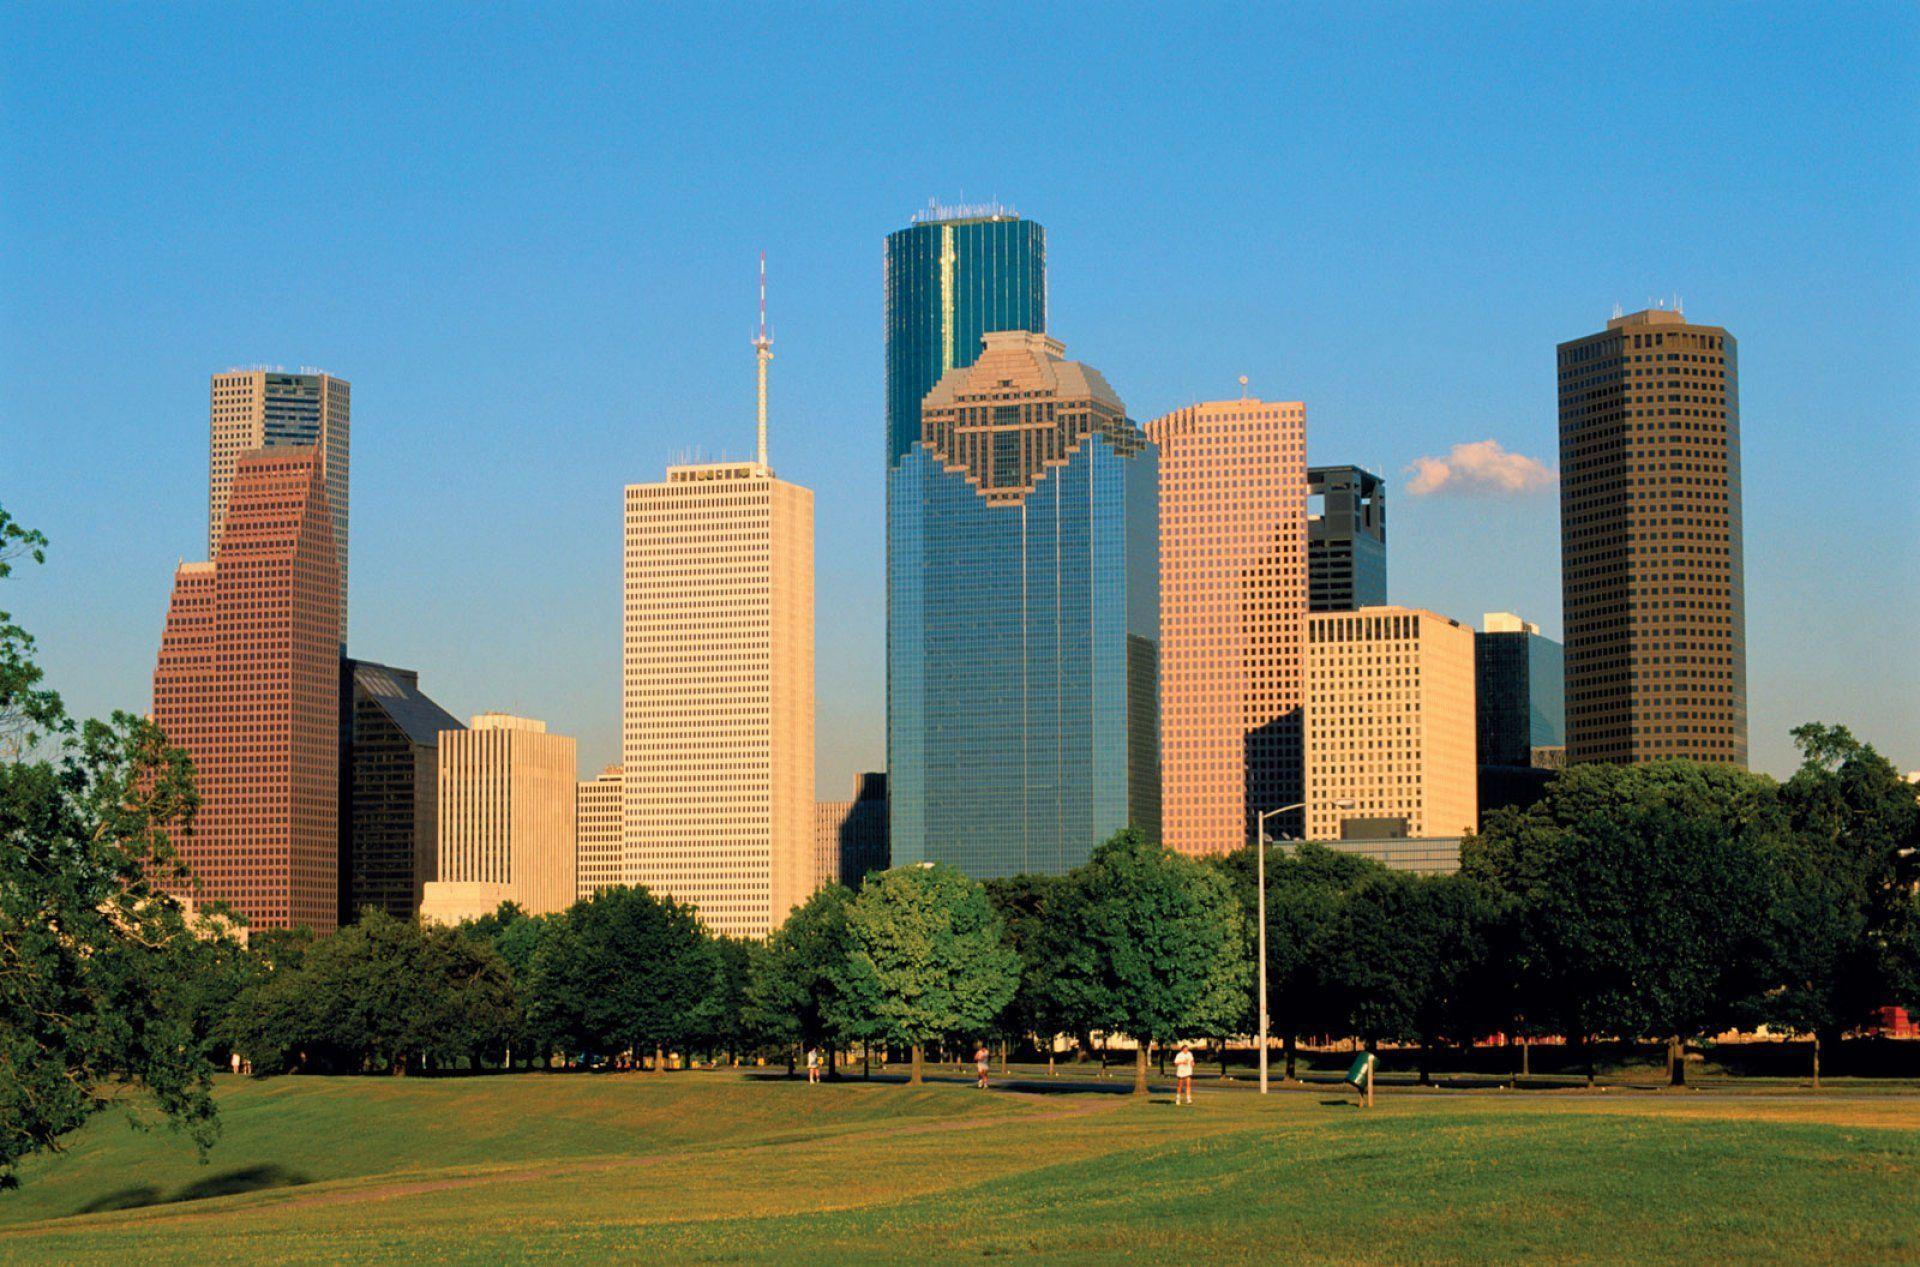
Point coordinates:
[[954, 275]]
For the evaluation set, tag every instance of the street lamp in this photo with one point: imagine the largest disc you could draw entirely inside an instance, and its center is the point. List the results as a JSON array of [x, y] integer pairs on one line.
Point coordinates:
[[1262, 916]]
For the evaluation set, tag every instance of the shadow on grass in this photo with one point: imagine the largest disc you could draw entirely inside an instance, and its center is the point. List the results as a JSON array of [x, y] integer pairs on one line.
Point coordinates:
[[224, 1184]]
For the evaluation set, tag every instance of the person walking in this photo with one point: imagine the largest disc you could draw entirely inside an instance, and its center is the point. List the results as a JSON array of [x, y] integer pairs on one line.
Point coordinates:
[[980, 1062], [1183, 1075], [813, 1064]]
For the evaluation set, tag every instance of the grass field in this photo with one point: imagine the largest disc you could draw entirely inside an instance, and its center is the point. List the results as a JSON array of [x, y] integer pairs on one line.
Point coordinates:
[[719, 1167]]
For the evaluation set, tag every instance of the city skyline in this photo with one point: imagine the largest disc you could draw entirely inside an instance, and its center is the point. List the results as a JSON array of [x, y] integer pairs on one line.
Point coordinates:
[[1388, 376]]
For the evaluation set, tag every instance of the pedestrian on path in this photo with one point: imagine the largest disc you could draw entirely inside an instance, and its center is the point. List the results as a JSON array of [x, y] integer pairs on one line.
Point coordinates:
[[1183, 1075], [813, 1064], [980, 1062]]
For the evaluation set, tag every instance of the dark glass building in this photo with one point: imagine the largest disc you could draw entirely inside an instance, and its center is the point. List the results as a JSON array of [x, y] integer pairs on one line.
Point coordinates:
[[1346, 539], [1023, 618], [1521, 712], [389, 788], [953, 275]]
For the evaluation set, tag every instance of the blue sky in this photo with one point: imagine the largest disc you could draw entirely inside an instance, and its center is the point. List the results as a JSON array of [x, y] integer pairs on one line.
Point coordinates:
[[527, 236]]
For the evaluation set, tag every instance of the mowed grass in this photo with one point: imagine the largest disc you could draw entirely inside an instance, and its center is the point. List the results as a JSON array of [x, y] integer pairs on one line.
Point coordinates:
[[718, 1167]]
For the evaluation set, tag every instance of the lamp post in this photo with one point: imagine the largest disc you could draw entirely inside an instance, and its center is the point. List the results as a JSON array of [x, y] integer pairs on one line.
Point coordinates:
[[1262, 916]]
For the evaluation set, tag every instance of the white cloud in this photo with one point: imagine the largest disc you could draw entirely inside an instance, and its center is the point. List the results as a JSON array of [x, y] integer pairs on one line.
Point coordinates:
[[1480, 469]]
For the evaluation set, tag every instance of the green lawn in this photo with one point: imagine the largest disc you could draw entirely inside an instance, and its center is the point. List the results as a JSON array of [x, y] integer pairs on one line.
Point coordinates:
[[715, 1167]]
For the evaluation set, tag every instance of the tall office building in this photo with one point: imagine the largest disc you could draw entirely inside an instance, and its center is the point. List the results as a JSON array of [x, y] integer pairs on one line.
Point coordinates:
[[1346, 539], [597, 814], [505, 830], [1390, 725], [1650, 553], [717, 729], [1233, 601], [1023, 613], [271, 409], [389, 788], [953, 275], [850, 837], [248, 683], [1520, 686]]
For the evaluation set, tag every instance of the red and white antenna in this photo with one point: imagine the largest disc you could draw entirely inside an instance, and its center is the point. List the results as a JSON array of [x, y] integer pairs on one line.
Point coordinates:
[[763, 352]]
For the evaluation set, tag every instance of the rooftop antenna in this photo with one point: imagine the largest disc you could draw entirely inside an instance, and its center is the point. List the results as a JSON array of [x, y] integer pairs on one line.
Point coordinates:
[[1243, 387], [763, 352]]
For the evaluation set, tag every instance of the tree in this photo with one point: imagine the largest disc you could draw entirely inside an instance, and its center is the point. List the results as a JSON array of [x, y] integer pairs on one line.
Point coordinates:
[[1640, 897], [516, 937], [793, 995], [1306, 885], [926, 957], [625, 971], [97, 963], [1155, 946], [1409, 961], [1844, 918], [1033, 908]]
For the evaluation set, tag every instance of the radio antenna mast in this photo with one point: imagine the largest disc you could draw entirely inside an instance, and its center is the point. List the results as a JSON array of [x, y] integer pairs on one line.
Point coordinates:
[[763, 352]]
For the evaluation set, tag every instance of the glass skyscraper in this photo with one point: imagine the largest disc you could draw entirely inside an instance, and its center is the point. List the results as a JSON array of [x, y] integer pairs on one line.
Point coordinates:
[[1022, 607], [952, 276]]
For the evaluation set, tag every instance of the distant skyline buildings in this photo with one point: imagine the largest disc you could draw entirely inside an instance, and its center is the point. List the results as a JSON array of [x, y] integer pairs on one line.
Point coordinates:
[[506, 827], [1233, 602], [247, 683], [1346, 539], [271, 409], [1023, 614], [598, 811], [389, 788], [717, 705], [1652, 569]]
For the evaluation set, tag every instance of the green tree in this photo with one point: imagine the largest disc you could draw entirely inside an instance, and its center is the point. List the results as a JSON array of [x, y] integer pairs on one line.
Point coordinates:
[[1410, 961], [793, 997], [516, 937], [1156, 946], [625, 971], [927, 957], [99, 1000], [1306, 885], [1640, 895], [1033, 908]]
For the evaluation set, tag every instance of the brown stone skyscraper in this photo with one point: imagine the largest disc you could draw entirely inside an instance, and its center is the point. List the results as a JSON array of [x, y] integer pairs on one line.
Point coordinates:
[[1233, 596], [272, 409], [248, 683], [1650, 542]]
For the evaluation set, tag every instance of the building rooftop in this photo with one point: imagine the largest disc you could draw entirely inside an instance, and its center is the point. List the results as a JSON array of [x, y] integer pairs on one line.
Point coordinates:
[[1649, 317], [399, 697], [506, 721]]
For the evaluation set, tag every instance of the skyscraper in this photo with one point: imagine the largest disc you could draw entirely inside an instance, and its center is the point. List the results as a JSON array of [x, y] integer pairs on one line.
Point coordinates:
[[850, 837], [271, 409], [953, 275], [1346, 539], [1233, 599], [505, 830], [1651, 568], [389, 788], [248, 683], [1521, 723], [1390, 725], [717, 705], [1023, 614], [597, 814]]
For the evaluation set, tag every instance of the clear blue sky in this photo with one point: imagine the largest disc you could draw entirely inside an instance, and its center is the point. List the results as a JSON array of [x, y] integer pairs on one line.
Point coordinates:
[[527, 236]]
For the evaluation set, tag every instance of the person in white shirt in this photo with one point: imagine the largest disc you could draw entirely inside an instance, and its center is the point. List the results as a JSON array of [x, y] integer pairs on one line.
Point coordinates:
[[1183, 1075], [813, 1064]]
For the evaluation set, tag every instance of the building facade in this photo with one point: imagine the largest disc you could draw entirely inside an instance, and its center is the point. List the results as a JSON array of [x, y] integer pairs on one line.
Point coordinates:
[[1346, 539], [1233, 604], [248, 684], [271, 409], [717, 711], [506, 831], [1390, 725], [1520, 685], [597, 815], [389, 788], [1023, 613], [1650, 542], [850, 837]]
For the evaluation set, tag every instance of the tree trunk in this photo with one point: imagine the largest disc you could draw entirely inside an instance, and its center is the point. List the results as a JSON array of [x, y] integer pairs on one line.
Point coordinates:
[[1526, 1058], [866, 1062], [1676, 1061], [1140, 1068], [1003, 1057], [833, 1063], [1291, 1044], [1426, 1064], [1163, 1062], [1103, 1055], [914, 1079], [1816, 1060], [1223, 1056]]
